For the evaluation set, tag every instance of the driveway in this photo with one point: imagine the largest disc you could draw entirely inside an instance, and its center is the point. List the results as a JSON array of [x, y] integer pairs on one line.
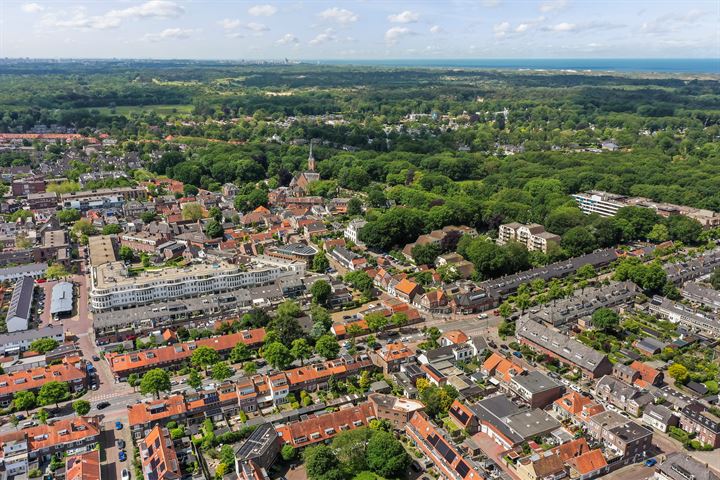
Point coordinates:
[[111, 465]]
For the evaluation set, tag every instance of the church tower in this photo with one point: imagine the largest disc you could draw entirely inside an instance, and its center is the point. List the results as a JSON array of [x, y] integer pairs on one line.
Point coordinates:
[[311, 160]]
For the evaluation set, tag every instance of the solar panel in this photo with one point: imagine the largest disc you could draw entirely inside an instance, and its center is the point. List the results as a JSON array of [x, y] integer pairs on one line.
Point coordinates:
[[462, 469], [433, 439]]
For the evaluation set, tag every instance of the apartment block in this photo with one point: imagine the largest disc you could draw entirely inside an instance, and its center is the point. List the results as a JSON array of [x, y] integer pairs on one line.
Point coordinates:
[[533, 236]]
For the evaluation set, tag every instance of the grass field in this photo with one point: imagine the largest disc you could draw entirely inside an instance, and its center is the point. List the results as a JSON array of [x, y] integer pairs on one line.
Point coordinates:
[[159, 109]]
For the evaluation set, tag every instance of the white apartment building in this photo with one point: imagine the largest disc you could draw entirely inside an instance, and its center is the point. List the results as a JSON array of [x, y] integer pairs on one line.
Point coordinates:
[[603, 203], [113, 287], [533, 236], [352, 230]]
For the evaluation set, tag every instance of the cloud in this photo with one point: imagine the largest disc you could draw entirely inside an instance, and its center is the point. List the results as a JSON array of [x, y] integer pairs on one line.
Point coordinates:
[[229, 23], [404, 17], [563, 27], [327, 36], [522, 28], [262, 10], [490, 3], [436, 29], [257, 27], [394, 34], [339, 15], [288, 39], [553, 5], [169, 34], [114, 18], [32, 8], [673, 22], [501, 29]]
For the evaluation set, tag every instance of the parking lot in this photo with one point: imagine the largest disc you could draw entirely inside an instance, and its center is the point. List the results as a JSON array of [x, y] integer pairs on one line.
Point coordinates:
[[111, 465]]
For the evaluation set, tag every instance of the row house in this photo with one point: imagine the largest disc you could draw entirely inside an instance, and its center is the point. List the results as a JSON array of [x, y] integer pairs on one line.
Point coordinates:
[[681, 466], [347, 259], [158, 458], [624, 396], [257, 453], [695, 418], [321, 427], [392, 356], [685, 315], [122, 365], [71, 436], [406, 290], [698, 293], [583, 462], [703, 264], [660, 417], [576, 407], [462, 351], [72, 371], [83, 466], [627, 439], [434, 301], [638, 373], [536, 388]]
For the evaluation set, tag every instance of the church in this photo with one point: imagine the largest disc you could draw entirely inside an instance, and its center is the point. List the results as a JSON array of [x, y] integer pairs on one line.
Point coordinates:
[[301, 182]]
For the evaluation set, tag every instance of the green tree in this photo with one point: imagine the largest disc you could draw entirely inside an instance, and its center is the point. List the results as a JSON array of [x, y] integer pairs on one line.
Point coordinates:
[[288, 453], [659, 233], [148, 217], [277, 355], [83, 227], [214, 229], [321, 463], [43, 345], [203, 357], [354, 207], [301, 350], [133, 380], [112, 229], [606, 319], [320, 262], [249, 368], [399, 320], [240, 353], [684, 229], [126, 253], [53, 392], [360, 281], [42, 416], [350, 447], [321, 291], [221, 371], [24, 400], [376, 321], [81, 407], [578, 241], [192, 211], [327, 347], [386, 456], [56, 272], [437, 400], [194, 379], [68, 215], [715, 279], [425, 254], [155, 381], [679, 372]]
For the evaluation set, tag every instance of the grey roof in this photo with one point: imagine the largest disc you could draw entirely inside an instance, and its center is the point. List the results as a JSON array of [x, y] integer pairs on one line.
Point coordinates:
[[650, 344], [50, 331], [257, 444], [562, 345], [630, 432], [660, 413], [535, 382], [516, 423], [297, 249], [530, 423], [62, 298], [27, 269], [681, 466], [21, 300], [344, 254]]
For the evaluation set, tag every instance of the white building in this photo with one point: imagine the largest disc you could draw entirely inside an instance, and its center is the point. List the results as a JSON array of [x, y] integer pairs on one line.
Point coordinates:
[[603, 203], [533, 236], [352, 230], [112, 285]]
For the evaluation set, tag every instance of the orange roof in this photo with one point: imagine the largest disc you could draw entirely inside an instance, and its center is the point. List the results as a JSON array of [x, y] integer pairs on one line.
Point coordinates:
[[323, 370], [572, 402], [501, 367], [262, 209], [405, 286], [85, 466], [647, 373], [158, 457], [127, 362], [317, 428], [572, 449], [395, 351], [146, 413], [589, 462], [64, 431], [456, 336], [341, 329], [34, 378]]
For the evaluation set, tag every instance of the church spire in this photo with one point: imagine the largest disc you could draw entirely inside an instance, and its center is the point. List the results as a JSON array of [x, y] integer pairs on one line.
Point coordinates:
[[311, 159]]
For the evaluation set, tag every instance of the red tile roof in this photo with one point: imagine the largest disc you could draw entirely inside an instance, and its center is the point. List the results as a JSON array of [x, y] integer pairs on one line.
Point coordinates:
[[317, 428], [155, 410], [61, 432], [158, 456], [85, 466], [589, 462], [34, 378], [456, 336]]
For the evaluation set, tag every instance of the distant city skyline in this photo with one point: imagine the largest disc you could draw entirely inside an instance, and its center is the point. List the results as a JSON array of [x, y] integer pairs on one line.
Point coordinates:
[[301, 30]]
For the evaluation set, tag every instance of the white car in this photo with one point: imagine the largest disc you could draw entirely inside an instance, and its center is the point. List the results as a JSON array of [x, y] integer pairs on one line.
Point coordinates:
[[125, 474]]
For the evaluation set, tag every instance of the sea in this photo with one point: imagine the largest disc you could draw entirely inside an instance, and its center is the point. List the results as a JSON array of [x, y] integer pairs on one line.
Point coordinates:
[[660, 65]]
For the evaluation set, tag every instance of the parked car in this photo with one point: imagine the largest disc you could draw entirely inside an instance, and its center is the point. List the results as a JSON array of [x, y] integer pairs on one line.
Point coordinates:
[[650, 462], [517, 354], [120, 443], [122, 456], [118, 425], [103, 405], [96, 358], [503, 346], [125, 474], [482, 316]]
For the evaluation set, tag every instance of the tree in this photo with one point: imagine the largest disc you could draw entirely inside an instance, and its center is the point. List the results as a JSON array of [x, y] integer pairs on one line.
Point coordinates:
[[578, 241], [327, 347], [221, 371], [214, 229], [249, 368], [376, 321], [155, 381], [203, 357], [194, 379], [81, 407], [684, 229], [112, 229], [192, 211], [277, 355], [350, 447], [83, 227], [43, 345], [320, 262], [133, 380], [56, 272], [360, 281], [425, 254], [42, 416], [659, 233], [437, 400], [606, 319], [586, 272], [321, 463], [432, 335], [126, 253], [399, 320], [637, 222], [505, 310], [252, 200], [715, 279], [240, 353], [53, 392], [288, 453], [24, 400], [68, 215], [386, 456], [679, 372], [148, 217], [354, 207], [301, 350], [321, 291]]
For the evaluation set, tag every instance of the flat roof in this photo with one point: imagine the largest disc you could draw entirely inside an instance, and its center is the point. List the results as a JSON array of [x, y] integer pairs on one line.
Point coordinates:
[[101, 250], [62, 298]]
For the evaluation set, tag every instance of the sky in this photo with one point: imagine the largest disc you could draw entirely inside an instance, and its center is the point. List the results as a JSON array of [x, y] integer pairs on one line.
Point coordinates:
[[361, 29]]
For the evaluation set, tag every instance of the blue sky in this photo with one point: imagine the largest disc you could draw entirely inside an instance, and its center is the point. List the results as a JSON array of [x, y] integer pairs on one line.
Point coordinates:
[[369, 29]]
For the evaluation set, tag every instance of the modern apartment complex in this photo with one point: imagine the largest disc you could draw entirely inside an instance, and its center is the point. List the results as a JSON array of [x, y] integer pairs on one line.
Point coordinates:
[[533, 236], [114, 286]]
